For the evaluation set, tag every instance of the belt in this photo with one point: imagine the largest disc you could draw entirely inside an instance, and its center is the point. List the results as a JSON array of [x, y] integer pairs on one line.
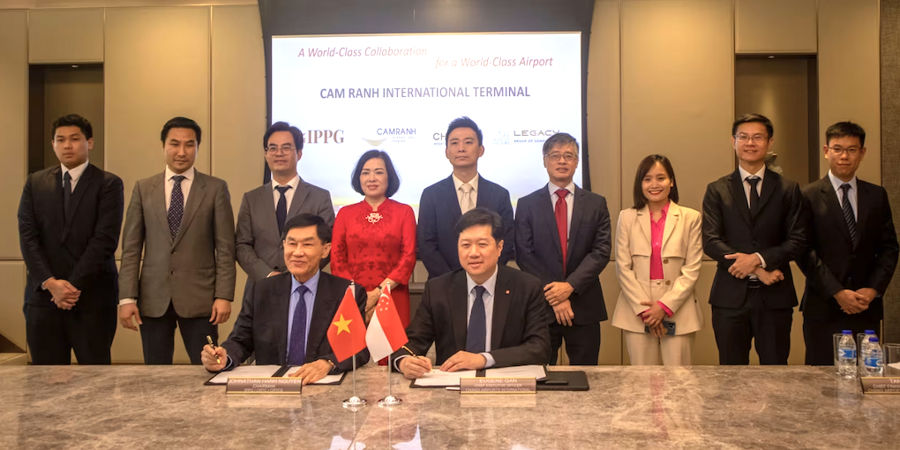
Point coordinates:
[[754, 283]]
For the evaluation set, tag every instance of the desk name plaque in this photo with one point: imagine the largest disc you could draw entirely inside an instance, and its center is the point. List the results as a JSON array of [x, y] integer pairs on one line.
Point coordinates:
[[270, 386], [880, 385], [485, 385]]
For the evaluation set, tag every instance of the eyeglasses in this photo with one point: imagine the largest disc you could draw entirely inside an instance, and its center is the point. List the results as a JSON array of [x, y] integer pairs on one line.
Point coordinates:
[[758, 138], [284, 149], [568, 157], [849, 150]]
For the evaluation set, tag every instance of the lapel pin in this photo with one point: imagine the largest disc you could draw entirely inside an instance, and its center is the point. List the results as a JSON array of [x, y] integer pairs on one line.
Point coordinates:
[[507, 292]]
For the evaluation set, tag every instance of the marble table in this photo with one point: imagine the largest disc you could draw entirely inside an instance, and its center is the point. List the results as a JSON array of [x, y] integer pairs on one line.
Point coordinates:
[[702, 407]]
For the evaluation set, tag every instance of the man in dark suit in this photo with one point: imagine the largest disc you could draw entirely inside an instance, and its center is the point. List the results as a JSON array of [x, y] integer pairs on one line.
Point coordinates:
[[852, 247], [308, 297], [568, 260], [752, 227], [264, 210], [182, 221], [480, 316], [69, 221], [444, 202]]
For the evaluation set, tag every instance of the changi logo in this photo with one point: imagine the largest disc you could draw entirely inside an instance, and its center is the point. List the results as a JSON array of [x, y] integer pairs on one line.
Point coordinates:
[[439, 139], [393, 134], [324, 136]]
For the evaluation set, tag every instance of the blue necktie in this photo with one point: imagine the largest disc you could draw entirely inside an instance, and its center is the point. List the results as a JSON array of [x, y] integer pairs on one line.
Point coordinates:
[[477, 332], [281, 209], [297, 348], [176, 205]]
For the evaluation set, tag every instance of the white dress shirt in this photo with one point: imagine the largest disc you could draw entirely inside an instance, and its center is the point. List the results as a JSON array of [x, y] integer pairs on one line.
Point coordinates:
[[761, 174], [288, 194], [459, 193], [185, 184], [488, 298], [851, 194], [570, 201], [76, 173]]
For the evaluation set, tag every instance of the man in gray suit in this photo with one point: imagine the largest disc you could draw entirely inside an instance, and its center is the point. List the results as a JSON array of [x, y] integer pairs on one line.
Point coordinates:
[[183, 222], [265, 209]]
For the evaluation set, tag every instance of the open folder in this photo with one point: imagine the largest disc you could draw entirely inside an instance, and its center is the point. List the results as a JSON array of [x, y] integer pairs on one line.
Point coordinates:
[[437, 378], [272, 371]]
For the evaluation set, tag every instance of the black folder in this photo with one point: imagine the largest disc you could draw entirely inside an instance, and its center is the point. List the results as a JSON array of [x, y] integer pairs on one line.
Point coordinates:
[[564, 381]]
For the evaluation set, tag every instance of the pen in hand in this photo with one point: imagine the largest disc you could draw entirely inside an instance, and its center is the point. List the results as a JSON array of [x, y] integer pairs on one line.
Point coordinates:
[[209, 339]]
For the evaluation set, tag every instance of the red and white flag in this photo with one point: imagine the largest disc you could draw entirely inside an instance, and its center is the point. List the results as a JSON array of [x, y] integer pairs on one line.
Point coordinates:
[[385, 333]]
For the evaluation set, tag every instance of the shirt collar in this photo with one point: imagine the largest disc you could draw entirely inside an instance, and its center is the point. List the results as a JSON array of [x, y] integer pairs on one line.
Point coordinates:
[[293, 183], [836, 182], [312, 284], [488, 285], [75, 172], [744, 174], [188, 174], [473, 182], [553, 188]]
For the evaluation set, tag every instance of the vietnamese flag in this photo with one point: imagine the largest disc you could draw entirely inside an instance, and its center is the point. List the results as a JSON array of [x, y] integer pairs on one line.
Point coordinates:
[[385, 334], [347, 331]]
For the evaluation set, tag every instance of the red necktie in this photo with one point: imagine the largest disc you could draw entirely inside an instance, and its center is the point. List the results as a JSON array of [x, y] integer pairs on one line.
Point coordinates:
[[561, 211]]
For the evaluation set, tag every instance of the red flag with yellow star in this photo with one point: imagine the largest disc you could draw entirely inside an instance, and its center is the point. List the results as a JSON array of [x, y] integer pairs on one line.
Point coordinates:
[[347, 333]]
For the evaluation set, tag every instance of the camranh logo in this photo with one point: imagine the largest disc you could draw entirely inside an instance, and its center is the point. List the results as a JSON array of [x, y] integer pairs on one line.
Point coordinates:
[[324, 136], [394, 135]]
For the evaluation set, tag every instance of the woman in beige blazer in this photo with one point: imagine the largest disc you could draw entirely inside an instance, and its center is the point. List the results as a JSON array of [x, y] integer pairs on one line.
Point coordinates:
[[658, 254]]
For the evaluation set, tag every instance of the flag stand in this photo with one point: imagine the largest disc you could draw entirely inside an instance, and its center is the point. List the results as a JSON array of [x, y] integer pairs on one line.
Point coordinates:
[[353, 403], [390, 400]]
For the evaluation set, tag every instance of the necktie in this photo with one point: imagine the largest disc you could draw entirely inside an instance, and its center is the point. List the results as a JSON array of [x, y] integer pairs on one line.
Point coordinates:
[[176, 205], [562, 212], [281, 209], [67, 192], [466, 204], [297, 348], [754, 194], [848, 211], [476, 335]]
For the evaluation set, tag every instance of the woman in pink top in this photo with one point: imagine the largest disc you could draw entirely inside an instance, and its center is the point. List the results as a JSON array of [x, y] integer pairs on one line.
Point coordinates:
[[658, 254]]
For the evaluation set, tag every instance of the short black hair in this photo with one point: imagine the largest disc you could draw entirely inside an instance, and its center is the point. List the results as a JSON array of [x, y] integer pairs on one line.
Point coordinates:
[[323, 231], [73, 120], [481, 216], [393, 178], [646, 164], [462, 122], [754, 118], [180, 122], [284, 126], [846, 129], [557, 140]]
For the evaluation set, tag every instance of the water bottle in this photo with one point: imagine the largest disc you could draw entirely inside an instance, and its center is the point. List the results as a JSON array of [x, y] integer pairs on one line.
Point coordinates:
[[864, 341], [874, 358], [846, 361]]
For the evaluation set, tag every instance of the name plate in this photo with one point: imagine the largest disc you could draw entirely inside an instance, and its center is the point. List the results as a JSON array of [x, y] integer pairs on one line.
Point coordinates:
[[880, 385], [272, 386], [486, 385]]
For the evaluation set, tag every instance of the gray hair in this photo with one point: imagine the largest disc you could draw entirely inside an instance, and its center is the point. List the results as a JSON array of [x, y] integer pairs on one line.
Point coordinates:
[[559, 139]]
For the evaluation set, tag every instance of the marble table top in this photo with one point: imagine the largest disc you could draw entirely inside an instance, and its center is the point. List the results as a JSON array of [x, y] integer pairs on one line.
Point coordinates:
[[701, 407]]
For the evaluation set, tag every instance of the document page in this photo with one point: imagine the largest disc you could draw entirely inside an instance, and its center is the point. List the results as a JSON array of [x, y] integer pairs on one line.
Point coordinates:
[[534, 371], [437, 378], [245, 372], [327, 379]]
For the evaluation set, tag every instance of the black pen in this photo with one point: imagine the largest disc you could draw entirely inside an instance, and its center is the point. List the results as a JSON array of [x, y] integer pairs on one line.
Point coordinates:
[[209, 339]]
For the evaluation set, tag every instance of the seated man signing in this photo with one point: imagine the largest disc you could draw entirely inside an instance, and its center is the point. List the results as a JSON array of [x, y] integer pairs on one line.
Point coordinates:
[[285, 317], [482, 315]]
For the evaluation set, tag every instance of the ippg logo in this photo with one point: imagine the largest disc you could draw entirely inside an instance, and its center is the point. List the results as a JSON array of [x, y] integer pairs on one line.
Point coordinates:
[[324, 136]]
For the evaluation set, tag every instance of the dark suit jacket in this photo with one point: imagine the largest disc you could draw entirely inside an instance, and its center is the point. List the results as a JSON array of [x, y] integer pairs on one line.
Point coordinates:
[[262, 325], [79, 248], [776, 232], [834, 262], [438, 213], [538, 251], [520, 332]]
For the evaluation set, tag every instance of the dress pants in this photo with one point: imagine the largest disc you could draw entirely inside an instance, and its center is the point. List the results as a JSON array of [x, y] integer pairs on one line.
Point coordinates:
[[53, 334], [645, 349], [819, 335], [582, 343], [768, 328], [158, 336]]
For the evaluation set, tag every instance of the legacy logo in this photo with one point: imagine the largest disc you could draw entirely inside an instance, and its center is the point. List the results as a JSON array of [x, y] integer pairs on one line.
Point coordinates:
[[534, 133], [324, 136], [394, 135]]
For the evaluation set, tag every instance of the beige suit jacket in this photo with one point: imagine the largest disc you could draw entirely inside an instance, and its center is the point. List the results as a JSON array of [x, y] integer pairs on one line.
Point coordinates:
[[682, 253]]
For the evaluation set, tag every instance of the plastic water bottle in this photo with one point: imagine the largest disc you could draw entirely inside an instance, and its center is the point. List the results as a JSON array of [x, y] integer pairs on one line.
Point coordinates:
[[861, 350], [846, 361], [874, 358]]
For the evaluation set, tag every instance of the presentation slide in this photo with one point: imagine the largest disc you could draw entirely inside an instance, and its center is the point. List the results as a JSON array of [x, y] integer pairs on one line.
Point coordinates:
[[398, 93]]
